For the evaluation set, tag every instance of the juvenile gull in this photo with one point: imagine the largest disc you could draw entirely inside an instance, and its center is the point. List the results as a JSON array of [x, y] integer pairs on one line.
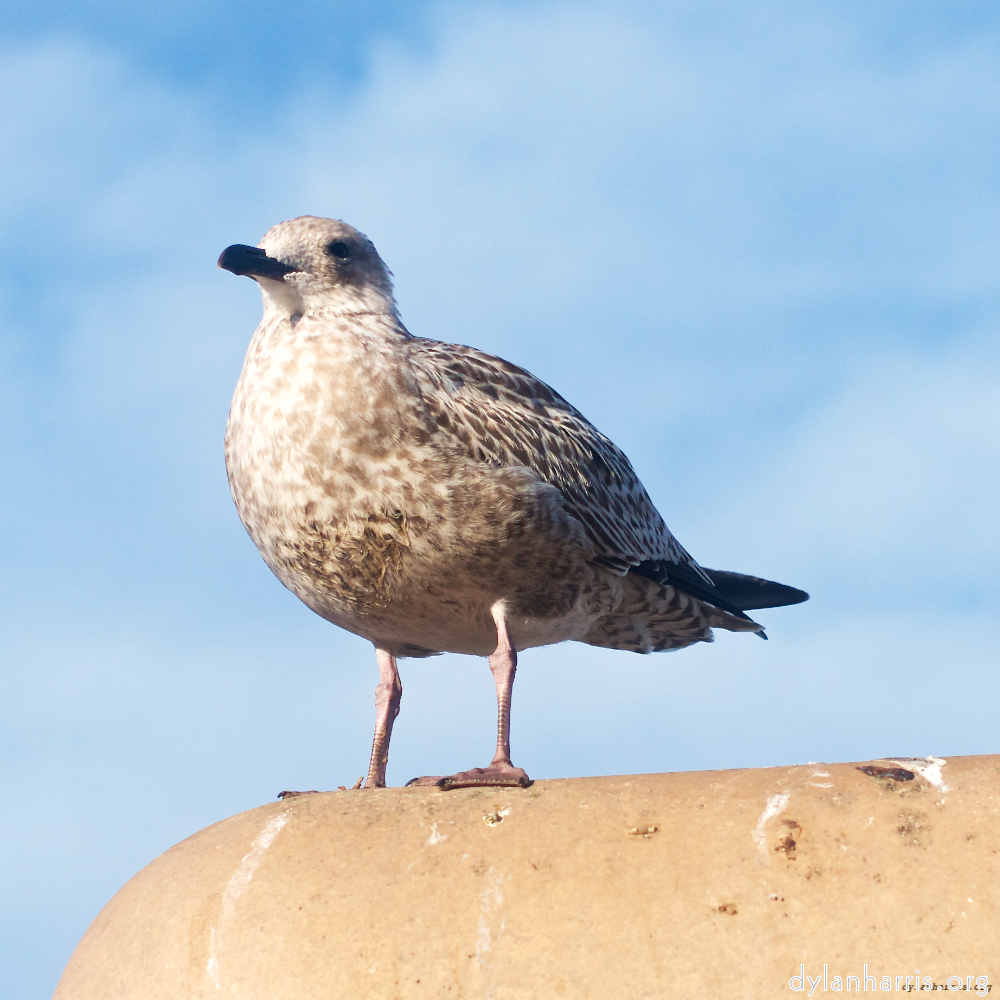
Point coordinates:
[[433, 498]]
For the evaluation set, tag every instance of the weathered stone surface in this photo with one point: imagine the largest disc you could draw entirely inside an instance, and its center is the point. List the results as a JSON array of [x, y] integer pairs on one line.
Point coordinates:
[[711, 884]]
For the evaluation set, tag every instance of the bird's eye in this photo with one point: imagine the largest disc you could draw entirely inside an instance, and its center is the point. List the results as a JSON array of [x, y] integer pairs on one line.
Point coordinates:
[[338, 248]]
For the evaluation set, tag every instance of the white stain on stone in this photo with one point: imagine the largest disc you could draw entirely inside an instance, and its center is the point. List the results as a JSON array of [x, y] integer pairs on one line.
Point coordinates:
[[238, 884], [929, 768], [435, 837], [491, 899], [490, 902], [776, 805], [483, 938]]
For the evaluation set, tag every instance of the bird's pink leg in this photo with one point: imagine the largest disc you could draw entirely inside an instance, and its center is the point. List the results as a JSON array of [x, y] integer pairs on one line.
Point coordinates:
[[500, 772], [388, 694], [503, 665]]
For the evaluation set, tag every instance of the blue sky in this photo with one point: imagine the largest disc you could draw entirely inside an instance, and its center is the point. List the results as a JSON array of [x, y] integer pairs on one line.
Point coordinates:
[[756, 244]]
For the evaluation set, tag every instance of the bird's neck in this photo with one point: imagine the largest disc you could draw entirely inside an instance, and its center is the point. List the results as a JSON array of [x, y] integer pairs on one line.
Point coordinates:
[[284, 301]]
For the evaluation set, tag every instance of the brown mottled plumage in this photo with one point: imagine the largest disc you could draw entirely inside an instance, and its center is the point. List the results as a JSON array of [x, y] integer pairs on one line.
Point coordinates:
[[432, 498]]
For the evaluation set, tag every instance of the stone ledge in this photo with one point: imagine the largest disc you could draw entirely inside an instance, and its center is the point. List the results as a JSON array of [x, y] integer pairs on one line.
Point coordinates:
[[709, 884]]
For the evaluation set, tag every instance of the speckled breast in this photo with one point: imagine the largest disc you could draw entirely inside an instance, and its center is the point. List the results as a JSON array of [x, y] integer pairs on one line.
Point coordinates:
[[379, 524]]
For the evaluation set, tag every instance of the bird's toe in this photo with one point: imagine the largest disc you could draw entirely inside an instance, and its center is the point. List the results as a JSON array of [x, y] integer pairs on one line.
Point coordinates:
[[427, 779]]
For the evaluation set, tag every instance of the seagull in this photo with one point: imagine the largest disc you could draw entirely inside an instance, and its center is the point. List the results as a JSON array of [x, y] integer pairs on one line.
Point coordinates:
[[432, 498]]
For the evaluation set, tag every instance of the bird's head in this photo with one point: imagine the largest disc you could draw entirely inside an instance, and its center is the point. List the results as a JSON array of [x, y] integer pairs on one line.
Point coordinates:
[[309, 265]]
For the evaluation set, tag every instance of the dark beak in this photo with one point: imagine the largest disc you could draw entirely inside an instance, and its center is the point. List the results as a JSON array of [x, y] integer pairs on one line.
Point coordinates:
[[253, 262]]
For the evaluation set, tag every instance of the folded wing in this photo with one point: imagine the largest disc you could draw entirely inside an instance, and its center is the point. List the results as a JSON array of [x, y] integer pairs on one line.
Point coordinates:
[[505, 416]]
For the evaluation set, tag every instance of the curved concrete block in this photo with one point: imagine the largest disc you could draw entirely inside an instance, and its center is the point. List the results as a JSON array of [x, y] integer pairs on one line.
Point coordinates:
[[716, 884]]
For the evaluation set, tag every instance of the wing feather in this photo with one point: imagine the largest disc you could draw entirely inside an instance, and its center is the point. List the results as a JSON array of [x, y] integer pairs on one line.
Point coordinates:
[[505, 416]]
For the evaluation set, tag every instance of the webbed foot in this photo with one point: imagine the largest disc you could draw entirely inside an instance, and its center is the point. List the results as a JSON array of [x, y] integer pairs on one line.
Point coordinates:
[[497, 775]]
